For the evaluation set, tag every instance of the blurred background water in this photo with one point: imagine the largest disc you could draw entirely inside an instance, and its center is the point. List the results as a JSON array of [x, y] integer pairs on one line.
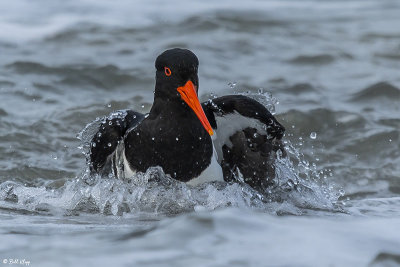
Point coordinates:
[[330, 69]]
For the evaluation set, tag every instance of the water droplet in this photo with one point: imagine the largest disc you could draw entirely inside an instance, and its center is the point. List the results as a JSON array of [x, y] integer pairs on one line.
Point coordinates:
[[293, 126], [142, 106], [177, 139], [99, 134], [93, 144], [232, 85], [109, 105], [152, 138], [255, 135], [55, 157], [109, 144], [300, 138], [341, 192], [313, 135], [200, 138], [137, 133], [110, 123]]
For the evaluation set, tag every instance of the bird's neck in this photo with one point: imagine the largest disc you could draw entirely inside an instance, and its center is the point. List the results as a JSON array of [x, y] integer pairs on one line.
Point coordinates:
[[161, 100], [178, 115], [171, 108]]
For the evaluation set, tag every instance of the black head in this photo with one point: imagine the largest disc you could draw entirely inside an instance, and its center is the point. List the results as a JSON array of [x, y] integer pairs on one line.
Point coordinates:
[[175, 67], [177, 82]]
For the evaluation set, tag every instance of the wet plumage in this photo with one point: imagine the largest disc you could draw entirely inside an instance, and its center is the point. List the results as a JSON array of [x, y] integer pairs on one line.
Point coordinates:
[[220, 139]]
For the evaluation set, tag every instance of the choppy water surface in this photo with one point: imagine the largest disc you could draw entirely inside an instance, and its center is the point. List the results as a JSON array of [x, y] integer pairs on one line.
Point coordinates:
[[329, 69]]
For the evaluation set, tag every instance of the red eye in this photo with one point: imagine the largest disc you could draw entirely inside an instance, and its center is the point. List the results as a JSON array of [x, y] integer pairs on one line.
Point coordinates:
[[167, 71]]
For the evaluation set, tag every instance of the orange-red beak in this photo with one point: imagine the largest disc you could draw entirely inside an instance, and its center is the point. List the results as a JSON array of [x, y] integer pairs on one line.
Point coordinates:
[[188, 94]]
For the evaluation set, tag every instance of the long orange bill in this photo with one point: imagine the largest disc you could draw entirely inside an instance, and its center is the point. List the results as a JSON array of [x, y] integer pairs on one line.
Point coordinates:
[[188, 94]]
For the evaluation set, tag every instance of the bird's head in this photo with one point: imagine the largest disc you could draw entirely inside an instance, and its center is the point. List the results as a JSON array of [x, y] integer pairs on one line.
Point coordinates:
[[177, 81]]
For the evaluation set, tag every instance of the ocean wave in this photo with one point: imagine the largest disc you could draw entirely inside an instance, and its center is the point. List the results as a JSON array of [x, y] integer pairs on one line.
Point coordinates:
[[300, 88], [378, 90], [4, 83], [3, 112], [323, 120], [386, 259], [390, 56], [99, 77], [322, 59], [373, 36]]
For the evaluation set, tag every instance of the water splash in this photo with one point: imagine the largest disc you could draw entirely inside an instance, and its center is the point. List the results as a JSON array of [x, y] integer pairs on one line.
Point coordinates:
[[313, 135], [152, 191], [298, 188], [264, 98]]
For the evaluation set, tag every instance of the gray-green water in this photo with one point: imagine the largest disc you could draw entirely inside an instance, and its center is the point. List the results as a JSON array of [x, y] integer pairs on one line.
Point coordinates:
[[332, 68]]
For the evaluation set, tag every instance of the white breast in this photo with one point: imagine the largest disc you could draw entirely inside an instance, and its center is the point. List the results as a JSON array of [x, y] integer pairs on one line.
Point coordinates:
[[120, 164], [212, 173], [128, 172]]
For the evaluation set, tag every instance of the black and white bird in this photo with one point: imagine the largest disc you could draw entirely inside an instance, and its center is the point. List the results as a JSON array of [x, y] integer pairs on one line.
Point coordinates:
[[219, 140]]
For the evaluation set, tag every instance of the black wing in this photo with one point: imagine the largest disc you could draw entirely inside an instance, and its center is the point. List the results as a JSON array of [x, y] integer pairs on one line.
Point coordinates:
[[247, 138], [109, 134]]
